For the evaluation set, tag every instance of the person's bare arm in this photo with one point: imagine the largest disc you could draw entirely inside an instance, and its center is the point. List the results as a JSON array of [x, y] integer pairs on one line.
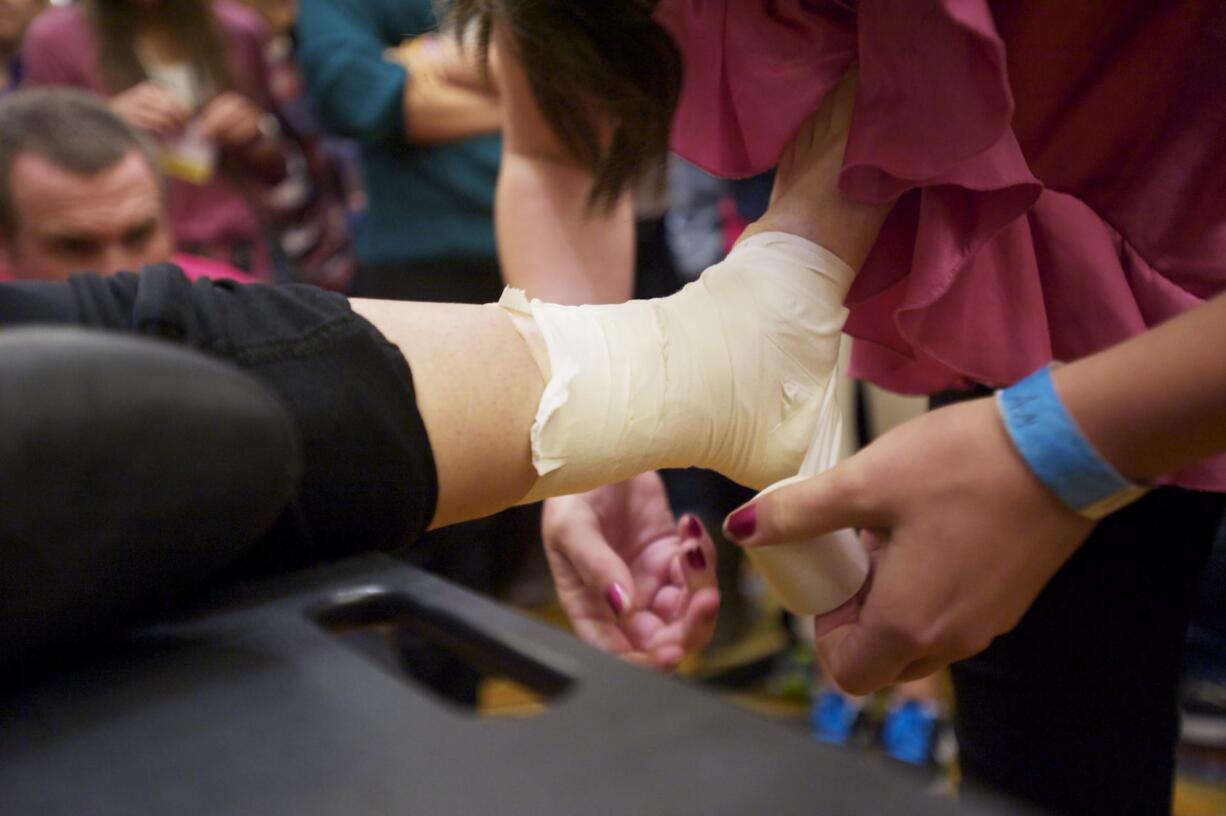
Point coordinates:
[[452, 61], [437, 109], [437, 112], [1157, 402], [550, 243]]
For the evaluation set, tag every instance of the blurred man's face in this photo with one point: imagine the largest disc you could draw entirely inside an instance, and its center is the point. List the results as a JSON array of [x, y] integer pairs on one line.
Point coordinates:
[[15, 15], [66, 223]]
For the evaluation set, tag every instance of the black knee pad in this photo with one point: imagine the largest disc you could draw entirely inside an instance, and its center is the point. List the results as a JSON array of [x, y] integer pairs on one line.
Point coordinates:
[[131, 471]]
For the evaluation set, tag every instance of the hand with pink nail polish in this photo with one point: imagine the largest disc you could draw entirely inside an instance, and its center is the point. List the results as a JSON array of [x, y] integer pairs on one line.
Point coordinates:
[[961, 537], [633, 580]]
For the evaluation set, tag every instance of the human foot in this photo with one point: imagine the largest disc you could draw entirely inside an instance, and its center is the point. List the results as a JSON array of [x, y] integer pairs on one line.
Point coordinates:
[[805, 200], [732, 373]]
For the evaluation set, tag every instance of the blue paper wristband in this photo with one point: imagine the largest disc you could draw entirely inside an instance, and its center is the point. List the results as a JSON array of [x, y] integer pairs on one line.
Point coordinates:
[[1055, 450]]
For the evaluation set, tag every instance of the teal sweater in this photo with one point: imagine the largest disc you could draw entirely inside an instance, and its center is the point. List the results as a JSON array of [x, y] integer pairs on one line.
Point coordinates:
[[425, 202]]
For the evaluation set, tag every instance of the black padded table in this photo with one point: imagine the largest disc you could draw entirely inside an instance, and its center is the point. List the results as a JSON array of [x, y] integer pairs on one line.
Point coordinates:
[[291, 698]]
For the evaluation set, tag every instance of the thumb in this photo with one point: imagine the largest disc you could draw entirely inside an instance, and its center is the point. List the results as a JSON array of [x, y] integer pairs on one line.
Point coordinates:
[[860, 660], [797, 508]]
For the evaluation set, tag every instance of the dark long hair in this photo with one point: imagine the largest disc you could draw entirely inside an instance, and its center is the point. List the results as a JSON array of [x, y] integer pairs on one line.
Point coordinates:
[[606, 76], [190, 22]]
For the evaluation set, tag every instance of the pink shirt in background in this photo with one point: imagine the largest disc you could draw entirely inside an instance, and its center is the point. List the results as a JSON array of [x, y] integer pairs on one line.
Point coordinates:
[[60, 49], [1060, 168]]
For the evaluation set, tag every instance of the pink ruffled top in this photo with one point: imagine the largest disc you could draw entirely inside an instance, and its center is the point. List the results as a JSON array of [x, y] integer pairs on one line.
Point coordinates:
[[1060, 168]]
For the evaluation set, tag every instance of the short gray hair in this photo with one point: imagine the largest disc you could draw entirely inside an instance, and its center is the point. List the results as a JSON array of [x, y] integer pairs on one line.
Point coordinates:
[[72, 129]]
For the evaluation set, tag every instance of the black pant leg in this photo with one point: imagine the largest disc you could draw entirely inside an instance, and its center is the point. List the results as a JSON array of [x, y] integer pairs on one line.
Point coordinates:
[[368, 479], [444, 280], [1075, 709]]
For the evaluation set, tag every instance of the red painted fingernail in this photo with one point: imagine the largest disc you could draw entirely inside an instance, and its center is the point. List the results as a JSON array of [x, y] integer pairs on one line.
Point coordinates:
[[693, 527], [616, 596], [742, 523], [696, 559]]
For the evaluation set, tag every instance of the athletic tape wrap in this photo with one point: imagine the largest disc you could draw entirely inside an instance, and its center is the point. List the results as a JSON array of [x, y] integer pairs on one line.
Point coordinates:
[[730, 373]]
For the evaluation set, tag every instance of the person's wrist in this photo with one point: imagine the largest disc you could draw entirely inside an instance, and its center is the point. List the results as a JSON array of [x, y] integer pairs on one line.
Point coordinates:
[[1057, 452]]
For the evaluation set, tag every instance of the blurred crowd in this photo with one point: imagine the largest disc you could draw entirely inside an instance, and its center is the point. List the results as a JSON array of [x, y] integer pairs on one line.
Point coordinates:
[[211, 158]]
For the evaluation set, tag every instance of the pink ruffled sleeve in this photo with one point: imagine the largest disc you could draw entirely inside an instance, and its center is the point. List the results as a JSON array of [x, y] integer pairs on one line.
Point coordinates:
[[981, 274], [950, 293], [753, 72], [930, 128]]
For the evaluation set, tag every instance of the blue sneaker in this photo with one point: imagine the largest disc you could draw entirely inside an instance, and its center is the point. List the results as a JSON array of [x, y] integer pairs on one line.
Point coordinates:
[[908, 732], [833, 717]]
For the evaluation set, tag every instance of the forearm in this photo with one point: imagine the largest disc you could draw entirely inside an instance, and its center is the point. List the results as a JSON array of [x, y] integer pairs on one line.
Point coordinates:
[[1157, 402], [550, 244], [443, 56], [437, 112]]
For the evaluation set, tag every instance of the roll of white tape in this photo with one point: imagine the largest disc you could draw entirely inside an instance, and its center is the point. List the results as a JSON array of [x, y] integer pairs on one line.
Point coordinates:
[[813, 576]]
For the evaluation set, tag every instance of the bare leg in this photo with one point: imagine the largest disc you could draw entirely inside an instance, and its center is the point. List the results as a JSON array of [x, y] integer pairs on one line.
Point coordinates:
[[734, 372], [479, 385], [477, 389]]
